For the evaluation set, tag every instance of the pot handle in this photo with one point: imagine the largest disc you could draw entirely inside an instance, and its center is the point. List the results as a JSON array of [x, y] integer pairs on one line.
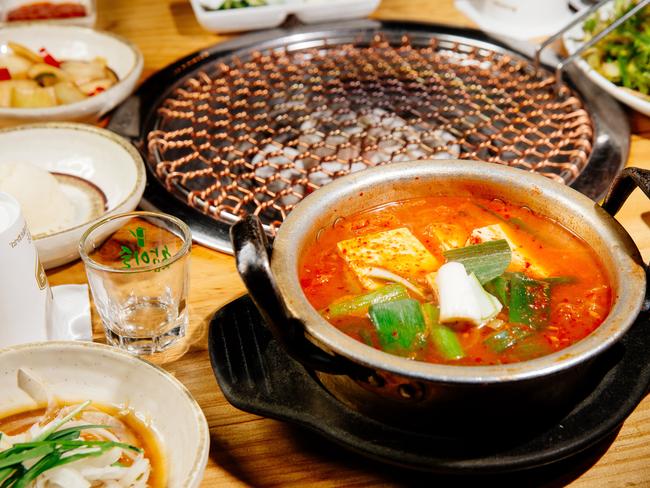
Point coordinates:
[[618, 193], [252, 256], [623, 185]]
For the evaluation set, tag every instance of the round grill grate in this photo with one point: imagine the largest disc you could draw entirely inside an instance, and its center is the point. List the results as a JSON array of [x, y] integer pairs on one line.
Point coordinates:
[[257, 130]]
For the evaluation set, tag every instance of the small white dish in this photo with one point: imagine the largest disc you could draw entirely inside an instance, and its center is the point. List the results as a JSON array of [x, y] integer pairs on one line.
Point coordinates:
[[273, 14], [632, 99], [71, 314], [310, 12], [80, 371], [69, 42], [97, 156], [517, 19], [87, 20]]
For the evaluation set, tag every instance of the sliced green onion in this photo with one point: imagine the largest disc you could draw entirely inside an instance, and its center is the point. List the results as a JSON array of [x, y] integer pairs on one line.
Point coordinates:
[[359, 304], [504, 339], [23, 455], [530, 301], [400, 324], [44, 464], [559, 280], [530, 349], [500, 288], [486, 260], [5, 472], [73, 433], [461, 296], [365, 337], [55, 425], [443, 337]]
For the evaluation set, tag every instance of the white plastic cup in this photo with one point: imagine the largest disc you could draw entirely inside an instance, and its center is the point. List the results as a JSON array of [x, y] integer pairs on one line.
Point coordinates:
[[25, 296]]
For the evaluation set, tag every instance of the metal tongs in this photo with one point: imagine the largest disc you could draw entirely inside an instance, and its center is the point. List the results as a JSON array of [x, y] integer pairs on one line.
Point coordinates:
[[579, 18]]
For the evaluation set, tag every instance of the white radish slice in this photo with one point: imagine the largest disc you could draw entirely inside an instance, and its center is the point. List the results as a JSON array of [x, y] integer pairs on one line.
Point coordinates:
[[64, 478]]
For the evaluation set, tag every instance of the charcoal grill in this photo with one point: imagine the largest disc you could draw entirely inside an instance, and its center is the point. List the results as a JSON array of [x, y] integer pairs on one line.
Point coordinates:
[[253, 125]]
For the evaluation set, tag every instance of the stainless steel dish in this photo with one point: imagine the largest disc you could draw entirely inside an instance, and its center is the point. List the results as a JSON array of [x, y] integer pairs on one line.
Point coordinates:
[[378, 383]]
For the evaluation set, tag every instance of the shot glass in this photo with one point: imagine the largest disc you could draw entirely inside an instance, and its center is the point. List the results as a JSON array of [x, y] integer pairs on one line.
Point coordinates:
[[137, 265]]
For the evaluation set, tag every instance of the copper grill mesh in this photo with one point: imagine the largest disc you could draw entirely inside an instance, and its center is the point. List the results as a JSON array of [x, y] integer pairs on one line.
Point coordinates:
[[255, 133]]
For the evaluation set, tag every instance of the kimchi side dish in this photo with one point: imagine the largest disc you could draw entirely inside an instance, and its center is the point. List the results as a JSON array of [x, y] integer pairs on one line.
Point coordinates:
[[36, 80], [456, 280]]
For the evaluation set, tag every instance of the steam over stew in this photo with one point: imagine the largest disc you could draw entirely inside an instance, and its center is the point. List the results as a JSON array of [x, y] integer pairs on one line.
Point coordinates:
[[456, 280]]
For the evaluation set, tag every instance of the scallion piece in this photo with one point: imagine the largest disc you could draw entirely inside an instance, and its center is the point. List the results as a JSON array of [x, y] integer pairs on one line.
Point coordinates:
[[486, 260], [359, 304], [500, 288], [530, 349], [444, 338], [25, 454], [530, 301], [504, 339], [365, 337], [559, 280], [400, 325]]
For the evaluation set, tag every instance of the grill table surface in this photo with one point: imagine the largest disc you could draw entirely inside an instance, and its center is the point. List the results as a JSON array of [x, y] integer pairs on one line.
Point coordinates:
[[251, 451]]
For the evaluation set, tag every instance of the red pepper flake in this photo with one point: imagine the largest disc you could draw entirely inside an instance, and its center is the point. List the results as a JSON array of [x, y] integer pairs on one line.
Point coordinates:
[[48, 58], [98, 90], [4, 74]]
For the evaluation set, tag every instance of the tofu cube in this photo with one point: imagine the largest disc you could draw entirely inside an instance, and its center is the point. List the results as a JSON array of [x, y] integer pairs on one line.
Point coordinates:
[[450, 236], [397, 251], [521, 259]]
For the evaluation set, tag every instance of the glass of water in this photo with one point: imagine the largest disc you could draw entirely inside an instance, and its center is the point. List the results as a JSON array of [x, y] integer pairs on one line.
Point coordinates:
[[137, 265]]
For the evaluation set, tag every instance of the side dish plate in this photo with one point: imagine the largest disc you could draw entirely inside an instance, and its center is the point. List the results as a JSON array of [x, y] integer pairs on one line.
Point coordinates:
[[80, 371], [631, 98], [91, 164], [68, 42]]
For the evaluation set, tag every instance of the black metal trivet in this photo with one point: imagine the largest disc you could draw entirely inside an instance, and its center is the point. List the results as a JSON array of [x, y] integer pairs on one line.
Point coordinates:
[[256, 376]]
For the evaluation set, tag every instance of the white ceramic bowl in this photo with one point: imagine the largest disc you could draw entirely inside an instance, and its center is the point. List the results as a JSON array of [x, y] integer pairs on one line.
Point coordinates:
[[79, 371], [623, 95], [517, 19], [67, 42], [96, 155], [273, 14]]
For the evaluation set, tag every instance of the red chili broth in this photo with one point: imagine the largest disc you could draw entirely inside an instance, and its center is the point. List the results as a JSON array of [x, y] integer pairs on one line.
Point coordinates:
[[576, 308]]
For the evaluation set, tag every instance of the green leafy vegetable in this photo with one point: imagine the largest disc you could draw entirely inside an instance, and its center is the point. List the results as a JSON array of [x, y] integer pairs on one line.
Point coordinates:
[[365, 337], [443, 337], [530, 301], [230, 4], [559, 280], [531, 349], [486, 260], [400, 324], [623, 57], [360, 304], [504, 339], [500, 288]]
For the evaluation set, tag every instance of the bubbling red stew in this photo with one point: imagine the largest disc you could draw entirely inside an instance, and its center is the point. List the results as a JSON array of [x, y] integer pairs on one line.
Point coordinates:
[[456, 280]]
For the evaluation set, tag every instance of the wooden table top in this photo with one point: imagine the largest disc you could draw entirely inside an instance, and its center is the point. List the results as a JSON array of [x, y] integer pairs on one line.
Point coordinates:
[[249, 450]]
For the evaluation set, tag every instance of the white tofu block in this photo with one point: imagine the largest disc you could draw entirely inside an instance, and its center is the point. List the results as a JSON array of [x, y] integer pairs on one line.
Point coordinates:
[[450, 236], [397, 251]]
